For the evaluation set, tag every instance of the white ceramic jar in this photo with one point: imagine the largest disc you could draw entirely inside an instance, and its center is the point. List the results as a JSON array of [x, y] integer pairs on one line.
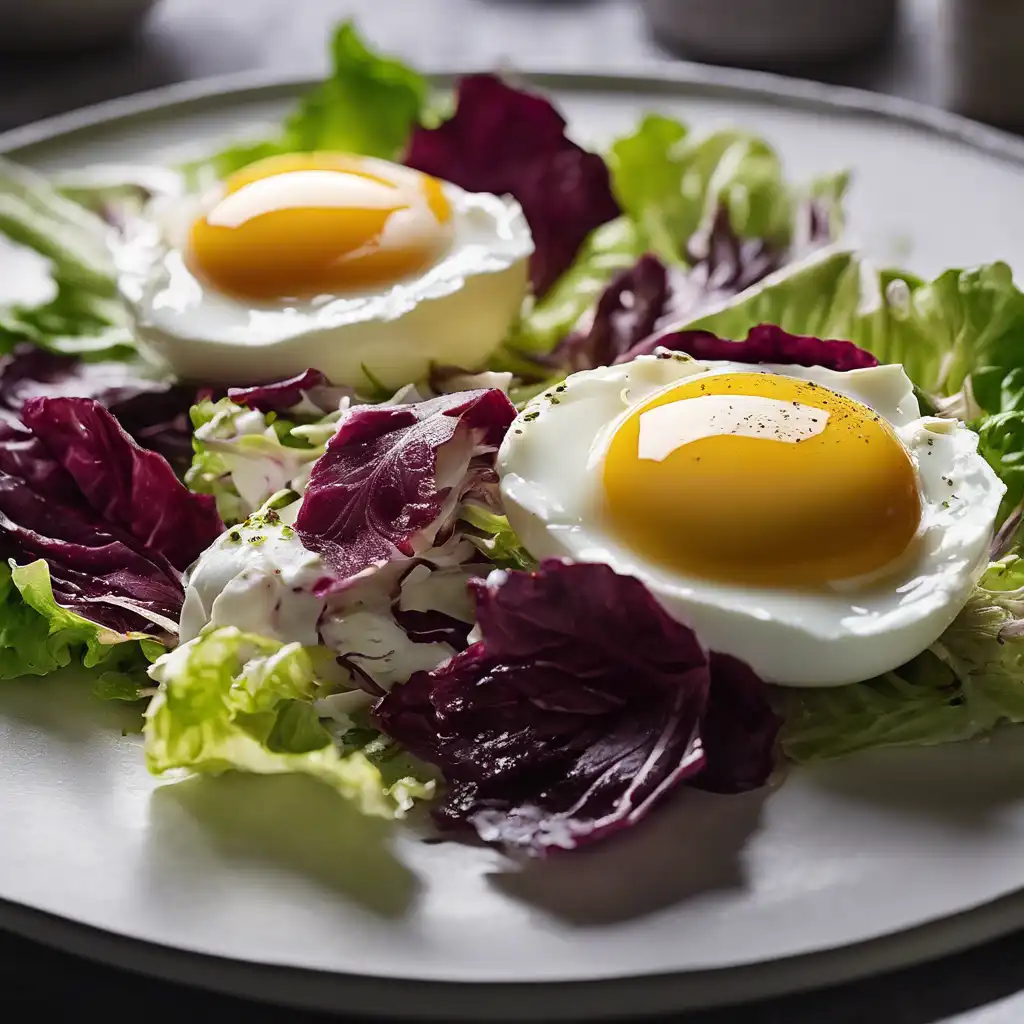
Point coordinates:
[[770, 31]]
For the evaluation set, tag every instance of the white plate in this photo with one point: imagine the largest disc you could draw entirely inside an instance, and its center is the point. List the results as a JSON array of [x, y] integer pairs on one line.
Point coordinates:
[[846, 869]]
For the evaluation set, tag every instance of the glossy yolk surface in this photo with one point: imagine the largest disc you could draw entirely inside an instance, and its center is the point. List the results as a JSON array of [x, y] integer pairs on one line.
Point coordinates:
[[760, 479], [308, 224]]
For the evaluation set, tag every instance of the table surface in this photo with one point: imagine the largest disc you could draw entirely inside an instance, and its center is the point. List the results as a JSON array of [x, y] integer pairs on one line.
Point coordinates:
[[187, 39]]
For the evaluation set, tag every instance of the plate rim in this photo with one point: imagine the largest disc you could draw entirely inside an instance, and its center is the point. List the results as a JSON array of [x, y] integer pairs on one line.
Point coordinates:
[[672, 79], [566, 1000], [617, 998]]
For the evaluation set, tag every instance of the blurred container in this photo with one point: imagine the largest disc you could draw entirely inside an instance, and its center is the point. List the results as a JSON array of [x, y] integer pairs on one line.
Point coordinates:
[[984, 65], [771, 31], [35, 26]]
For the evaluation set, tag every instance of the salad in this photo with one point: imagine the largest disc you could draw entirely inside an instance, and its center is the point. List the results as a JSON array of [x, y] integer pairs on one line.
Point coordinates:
[[414, 447]]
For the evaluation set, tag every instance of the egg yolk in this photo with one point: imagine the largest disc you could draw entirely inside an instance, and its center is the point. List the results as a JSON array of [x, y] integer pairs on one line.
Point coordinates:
[[762, 479], [310, 224]]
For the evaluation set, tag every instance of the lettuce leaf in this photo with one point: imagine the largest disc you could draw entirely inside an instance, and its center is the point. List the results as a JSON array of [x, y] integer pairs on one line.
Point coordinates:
[[79, 311], [491, 534], [242, 456], [95, 534], [581, 708], [671, 185], [964, 328], [968, 682], [143, 398], [233, 700], [383, 491], [368, 104], [512, 142]]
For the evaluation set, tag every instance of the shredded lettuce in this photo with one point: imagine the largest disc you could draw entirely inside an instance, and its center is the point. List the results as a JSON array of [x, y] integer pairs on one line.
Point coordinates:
[[964, 685], [234, 700], [493, 536], [242, 456]]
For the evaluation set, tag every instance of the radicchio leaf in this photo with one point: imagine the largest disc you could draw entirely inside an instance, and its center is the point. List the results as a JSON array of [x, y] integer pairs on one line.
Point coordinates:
[[638, 308], [311, 389], [111, 520], [150, 407], [765, 343], [507, 141], [578, 711], [392, 477], [739, 729]]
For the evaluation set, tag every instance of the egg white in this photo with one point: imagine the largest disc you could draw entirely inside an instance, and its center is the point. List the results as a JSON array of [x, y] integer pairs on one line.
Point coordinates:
[[455, 313], [551, 479]]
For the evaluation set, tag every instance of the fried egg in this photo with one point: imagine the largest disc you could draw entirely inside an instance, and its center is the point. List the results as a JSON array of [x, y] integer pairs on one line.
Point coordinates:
[[367, 270], [808, 521]]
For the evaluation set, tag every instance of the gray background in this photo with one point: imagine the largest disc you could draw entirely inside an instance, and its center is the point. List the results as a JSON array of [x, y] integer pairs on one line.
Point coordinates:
[[187, 39]]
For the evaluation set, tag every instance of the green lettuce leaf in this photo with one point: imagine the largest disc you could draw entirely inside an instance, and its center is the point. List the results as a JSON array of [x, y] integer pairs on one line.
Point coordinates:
[[242, 456], [493, 536], [59, 289], [368, 104], [968, 682], [232, 700], [965, 328], [610, 248], [670, 185], [38, 636]]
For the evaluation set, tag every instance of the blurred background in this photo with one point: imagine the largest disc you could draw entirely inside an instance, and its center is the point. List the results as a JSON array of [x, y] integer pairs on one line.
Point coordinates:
[[963, 54]]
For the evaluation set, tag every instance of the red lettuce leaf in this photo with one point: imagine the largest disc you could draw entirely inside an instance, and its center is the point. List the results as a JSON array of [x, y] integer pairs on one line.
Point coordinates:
[[578, 711], [764, 344], [280, 395], [112, 521], [626, 314], [310, 388], [130, 487], [392, 475], [506, 141], [739, 729], [636, 311], [153, 409]]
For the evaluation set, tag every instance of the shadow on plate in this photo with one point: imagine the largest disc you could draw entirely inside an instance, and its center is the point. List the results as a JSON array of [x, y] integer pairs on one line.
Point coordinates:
[[965, 786], [690, 847], [63, 705], [292, 823]]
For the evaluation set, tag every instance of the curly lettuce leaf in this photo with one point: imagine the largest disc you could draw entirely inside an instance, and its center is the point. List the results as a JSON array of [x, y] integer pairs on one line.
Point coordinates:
[[670, 185], [368, 104], [38, 636], [964, 328], [234, 700], [964, 685]]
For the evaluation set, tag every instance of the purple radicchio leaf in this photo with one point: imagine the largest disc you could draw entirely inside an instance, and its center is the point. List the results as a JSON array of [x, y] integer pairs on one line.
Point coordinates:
[[578, 711], [642, 303], [309, 391], [739, 729], [111, 520], [151, 407], [392, 477], [507, 141], [765, 343]]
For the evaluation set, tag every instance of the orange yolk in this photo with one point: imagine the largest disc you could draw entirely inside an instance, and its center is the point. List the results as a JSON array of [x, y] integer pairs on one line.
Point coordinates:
[[309, 224], [761, 479]]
